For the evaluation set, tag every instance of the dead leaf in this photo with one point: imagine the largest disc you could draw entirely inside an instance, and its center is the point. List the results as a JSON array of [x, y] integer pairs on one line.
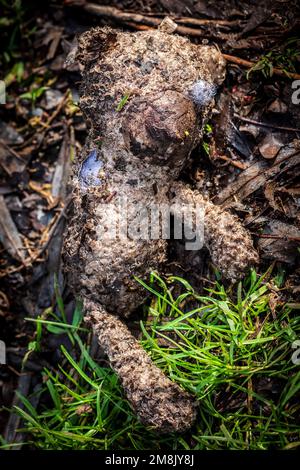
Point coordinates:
[[270, 146], [270, 196]]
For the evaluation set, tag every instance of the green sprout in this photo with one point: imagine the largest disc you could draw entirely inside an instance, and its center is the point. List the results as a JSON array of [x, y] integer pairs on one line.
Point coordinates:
[[123, 102], [34, 94]]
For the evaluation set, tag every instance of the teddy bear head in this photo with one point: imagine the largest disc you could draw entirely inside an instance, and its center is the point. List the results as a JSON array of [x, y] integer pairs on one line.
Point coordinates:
[[146, 96]]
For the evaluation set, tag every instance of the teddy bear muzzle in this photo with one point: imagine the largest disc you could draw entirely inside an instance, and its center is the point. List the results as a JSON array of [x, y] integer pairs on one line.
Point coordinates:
[[161, 129]]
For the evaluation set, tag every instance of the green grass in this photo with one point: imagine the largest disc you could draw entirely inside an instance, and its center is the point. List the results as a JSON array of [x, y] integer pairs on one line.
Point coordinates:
[[284, 58], [229, 349]]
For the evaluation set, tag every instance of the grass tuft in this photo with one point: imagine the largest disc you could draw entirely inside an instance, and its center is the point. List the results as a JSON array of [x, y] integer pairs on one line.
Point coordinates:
[[233, 352]]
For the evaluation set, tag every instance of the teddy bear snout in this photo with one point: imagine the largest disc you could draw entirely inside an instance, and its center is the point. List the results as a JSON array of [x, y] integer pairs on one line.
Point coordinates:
[[161, 128]]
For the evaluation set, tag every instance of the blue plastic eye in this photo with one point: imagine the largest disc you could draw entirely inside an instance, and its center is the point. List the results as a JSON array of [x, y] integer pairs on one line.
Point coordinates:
[[89, 171]]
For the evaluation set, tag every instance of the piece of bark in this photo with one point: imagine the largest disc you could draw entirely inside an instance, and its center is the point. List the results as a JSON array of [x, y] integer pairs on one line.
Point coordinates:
[[9, 234], [258, 174], [62, 167], [280, 242], [11, 434]]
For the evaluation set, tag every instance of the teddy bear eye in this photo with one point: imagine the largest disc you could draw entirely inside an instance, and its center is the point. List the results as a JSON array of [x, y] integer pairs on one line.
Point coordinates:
[[90, 171]]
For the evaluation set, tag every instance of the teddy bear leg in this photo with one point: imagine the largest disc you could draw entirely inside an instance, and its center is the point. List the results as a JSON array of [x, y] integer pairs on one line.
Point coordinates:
[[229, 243], [157, 400]]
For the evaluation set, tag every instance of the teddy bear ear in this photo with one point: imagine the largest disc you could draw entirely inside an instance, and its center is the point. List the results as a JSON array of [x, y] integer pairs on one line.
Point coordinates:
[[167, 25], [90, 46]]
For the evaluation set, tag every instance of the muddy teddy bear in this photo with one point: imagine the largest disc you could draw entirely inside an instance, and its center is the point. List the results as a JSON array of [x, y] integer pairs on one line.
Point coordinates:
[[146, 97]]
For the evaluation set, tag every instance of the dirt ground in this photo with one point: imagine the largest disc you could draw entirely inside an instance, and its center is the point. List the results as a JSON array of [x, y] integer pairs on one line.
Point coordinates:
[[249, 161]]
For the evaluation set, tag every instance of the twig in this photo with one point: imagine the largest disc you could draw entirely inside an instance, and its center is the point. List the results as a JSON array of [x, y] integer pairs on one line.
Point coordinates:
[[266, 124], [237, 164], [58, 109], [139, 27], [184, 30], [279, 237], [119, 15], [247, 63], [11, 150], [201, 22], [46, 125]]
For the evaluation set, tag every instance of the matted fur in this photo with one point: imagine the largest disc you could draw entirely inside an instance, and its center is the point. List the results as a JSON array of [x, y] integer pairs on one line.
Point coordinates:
[[141, 149]]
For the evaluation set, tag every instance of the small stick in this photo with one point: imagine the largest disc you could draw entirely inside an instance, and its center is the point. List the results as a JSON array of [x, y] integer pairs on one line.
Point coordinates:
[[265, 124], [279, 237], [184, 30], [29, 260], [247, 63], [237, 164]]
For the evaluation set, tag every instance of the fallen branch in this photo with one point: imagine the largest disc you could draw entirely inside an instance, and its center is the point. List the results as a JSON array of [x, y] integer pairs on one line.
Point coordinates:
[[150, 20], [143, 22]]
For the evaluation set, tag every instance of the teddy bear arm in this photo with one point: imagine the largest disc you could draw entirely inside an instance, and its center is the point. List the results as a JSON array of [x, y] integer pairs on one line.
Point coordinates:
[[229, 243]]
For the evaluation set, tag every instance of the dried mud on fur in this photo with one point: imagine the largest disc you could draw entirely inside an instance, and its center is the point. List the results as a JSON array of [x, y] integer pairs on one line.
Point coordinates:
[[170, 84]]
